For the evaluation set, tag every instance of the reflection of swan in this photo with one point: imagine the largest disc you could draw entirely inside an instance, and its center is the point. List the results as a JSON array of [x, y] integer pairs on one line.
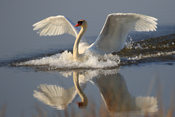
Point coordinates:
[[111, 85], [84, 99], [111, 38], [117, 97], [57, 96]]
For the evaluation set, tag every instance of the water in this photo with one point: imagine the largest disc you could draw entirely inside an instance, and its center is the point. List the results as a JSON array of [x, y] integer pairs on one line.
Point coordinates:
[[146, 61], [28, 61]]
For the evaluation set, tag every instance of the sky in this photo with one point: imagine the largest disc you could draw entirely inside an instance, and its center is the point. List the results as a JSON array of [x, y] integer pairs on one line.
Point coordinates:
[[18, 16]]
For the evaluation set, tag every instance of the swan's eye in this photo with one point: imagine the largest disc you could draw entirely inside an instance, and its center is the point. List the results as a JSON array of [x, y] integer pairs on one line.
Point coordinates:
[[80, 22]]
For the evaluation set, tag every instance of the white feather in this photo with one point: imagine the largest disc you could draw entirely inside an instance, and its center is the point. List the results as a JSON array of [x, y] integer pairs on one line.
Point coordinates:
[[112, 36], [55, 25], [112, 39]]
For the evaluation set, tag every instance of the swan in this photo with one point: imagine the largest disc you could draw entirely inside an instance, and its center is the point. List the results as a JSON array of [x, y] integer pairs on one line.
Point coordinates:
[[111, 38]]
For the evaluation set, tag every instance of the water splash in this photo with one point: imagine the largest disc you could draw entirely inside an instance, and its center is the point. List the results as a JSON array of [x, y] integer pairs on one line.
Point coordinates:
[[158, 54], [154, 49], [149, 48], [65, 61]]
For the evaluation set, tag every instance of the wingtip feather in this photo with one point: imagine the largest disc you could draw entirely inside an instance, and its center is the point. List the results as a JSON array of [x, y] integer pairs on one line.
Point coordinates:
[[55, 25]]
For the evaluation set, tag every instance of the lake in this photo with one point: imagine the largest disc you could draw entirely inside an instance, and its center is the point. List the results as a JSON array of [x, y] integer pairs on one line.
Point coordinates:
[[45, 79], [38, 77]]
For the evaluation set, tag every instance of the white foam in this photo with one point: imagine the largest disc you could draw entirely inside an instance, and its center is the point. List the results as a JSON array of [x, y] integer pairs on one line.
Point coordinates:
[[65, 60], [129, 43], [151, 55]]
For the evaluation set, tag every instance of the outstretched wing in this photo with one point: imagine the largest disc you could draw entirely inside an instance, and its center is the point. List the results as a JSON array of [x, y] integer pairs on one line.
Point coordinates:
[[55, 25], [116, 28]]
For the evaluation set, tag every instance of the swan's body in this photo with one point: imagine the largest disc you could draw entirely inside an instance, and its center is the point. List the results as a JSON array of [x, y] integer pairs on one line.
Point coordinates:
[[111, 38]]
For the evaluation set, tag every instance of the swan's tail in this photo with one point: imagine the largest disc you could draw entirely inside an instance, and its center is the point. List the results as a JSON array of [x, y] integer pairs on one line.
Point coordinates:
[[147, 104]]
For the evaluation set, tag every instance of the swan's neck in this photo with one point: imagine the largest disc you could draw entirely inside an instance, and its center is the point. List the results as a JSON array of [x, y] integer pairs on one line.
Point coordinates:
[[78, 88], [76, 54]]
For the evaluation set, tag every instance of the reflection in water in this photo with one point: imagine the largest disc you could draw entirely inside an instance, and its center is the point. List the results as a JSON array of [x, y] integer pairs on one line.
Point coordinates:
[[57, 96], [84, 98], [111, 85], [117, 97]]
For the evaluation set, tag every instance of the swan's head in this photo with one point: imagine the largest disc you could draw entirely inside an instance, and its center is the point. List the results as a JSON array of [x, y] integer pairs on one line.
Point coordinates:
[[81, 23], [81, 105]]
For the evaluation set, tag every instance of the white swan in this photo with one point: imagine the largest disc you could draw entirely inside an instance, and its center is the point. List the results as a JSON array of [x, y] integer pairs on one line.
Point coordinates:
[[111, 38]]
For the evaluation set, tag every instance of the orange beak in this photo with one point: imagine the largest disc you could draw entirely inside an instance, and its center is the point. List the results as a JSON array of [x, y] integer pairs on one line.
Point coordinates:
[[78, 24]]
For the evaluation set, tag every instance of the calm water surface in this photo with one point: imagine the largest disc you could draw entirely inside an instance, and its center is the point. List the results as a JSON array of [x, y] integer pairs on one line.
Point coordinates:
[[18, 85]]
